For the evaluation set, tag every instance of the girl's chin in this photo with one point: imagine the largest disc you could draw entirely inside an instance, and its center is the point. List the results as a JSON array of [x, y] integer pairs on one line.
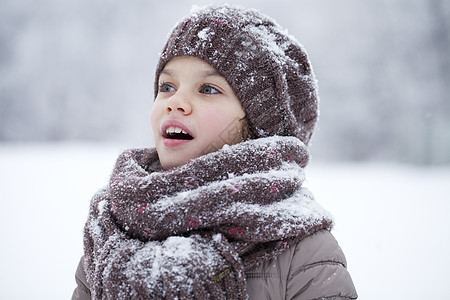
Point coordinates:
[[173, 159], [173, 163]]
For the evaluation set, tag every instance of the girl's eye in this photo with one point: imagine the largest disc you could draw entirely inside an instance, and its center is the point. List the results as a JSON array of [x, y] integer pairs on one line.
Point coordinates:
[[207, 89], [166, 88]]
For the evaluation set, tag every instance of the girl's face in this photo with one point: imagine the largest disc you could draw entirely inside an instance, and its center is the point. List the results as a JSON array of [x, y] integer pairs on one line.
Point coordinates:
[[195, 112]]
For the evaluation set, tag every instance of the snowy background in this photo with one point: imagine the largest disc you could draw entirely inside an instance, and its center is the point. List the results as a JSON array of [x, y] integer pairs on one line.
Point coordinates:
[[76, 86], [393, 221]]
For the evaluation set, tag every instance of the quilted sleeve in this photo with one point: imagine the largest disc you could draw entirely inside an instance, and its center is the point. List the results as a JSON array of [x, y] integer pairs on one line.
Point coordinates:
[[319, 270], [82, 291]]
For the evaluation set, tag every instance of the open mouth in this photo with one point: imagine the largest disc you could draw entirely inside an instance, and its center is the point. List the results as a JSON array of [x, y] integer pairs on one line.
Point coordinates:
[[176, 133]]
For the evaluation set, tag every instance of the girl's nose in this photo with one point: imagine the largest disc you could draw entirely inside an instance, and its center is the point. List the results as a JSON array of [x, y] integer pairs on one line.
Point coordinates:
[[179, 102]]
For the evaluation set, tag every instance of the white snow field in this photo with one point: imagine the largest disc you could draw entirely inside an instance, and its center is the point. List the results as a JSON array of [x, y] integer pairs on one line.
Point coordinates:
[[392, 221]]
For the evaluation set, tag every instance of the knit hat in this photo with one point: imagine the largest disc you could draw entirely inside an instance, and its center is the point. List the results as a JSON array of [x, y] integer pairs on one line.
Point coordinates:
[[268, 69]]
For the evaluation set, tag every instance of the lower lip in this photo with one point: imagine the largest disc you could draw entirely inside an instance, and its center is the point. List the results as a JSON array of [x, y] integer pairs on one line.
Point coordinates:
[[173, 142]]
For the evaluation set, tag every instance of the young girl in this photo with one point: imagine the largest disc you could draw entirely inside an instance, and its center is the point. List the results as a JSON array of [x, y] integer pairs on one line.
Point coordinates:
[[217, 210]]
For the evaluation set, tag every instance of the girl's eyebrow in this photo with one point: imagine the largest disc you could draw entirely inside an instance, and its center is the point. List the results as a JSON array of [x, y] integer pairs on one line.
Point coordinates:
[[209, 73], [167, 72], [202, 74]]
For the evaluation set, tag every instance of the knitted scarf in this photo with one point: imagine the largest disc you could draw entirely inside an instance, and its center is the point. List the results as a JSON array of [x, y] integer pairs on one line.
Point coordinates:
[[191, 232]]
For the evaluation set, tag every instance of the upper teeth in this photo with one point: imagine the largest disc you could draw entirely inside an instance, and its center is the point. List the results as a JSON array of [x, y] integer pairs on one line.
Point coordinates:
[[175, 130]]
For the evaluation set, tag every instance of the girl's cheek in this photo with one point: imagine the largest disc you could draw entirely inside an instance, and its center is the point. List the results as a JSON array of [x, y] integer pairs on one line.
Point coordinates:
[[155, 113], [214, 120], [157, 108], [224, 129]]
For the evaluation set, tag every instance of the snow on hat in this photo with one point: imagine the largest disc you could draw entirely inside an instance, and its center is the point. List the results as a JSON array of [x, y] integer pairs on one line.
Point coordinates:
[[268, 69]]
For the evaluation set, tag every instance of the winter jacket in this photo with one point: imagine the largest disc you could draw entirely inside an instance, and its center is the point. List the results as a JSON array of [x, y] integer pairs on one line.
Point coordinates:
[[315, 268]]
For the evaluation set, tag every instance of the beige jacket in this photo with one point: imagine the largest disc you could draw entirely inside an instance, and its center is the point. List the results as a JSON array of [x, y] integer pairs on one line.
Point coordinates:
[[314, 269]]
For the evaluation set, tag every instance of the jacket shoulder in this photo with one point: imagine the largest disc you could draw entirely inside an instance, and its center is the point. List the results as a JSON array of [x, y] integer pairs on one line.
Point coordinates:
[[315, 268], [319, 270], [82, 291]]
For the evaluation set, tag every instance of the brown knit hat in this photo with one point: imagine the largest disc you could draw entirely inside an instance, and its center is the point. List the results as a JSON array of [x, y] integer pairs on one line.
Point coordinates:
[[267, 68]]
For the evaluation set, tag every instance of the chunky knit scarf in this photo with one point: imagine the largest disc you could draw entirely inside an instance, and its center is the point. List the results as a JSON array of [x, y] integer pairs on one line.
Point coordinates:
[[191, 232]]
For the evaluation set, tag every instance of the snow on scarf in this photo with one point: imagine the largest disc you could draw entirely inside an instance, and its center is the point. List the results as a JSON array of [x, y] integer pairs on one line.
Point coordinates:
[[192, 231]]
